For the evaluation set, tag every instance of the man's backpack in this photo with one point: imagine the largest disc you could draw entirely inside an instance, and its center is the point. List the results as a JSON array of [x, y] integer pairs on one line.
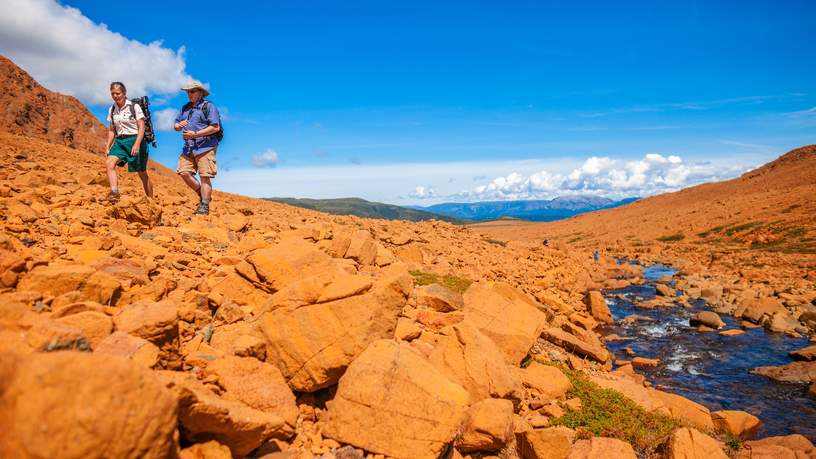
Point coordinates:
[[144, 103], [205, 107]]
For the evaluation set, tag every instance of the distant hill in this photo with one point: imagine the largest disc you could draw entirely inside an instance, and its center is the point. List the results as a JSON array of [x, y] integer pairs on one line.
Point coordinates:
[[534, 210], [362, 208]]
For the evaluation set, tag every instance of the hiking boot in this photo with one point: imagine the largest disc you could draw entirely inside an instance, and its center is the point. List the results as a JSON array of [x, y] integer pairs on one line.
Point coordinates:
[[203, 208], [112, 197]]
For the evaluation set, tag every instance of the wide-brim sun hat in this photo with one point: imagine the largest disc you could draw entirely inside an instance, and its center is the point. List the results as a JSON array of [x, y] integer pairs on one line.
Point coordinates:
[[195, 84]]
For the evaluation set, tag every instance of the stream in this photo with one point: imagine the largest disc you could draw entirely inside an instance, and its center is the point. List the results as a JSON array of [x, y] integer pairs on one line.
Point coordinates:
[[709, 368]]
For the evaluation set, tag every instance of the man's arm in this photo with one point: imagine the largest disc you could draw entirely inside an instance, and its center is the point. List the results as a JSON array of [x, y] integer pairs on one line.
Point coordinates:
[[209, 130]]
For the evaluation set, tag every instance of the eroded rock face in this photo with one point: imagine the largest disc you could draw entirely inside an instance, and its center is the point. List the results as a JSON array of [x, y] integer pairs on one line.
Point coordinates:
[[79, 405], [597, 306], [312, 345], [512, 320], [394, 402]]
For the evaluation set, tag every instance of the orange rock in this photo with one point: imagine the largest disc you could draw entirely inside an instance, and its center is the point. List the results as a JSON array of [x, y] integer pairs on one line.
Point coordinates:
[[56, 280], [488, 426], [688, 443], [203, 416], [508, 317], [597, 306], [782, 447], [391, 401], [141, 210], [95, 326], [544, 381], [209, 450], [552, 442], [142, 352], [78, 405], [257, 384], [601, 448], [574, 344], [288, 261], [312, 345], [738, 423], [439, 298]]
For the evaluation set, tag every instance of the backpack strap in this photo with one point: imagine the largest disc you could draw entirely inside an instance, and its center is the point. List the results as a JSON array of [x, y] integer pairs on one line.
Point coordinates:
[[113, 123], [132, 110]]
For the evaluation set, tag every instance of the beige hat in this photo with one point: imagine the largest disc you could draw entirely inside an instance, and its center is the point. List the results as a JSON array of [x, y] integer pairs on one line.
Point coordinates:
[[195, 84]]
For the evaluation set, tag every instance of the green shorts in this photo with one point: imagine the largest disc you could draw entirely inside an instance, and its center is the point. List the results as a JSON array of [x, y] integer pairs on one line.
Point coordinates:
[[121, 149]]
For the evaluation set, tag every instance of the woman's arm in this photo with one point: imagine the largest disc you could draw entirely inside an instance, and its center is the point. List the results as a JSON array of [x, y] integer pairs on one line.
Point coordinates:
[[137, 144]]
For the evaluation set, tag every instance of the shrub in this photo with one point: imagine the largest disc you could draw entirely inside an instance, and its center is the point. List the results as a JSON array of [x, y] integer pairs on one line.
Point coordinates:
[[455, 283], [672, 237]]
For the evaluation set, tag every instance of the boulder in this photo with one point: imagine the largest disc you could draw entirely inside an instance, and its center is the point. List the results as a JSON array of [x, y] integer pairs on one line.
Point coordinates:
[[331, 284], [572, 343], [361, 248], [439, 298], [391, 401], [707, 318], [95, 325], [59, 279], [203, 416], [794, 372], [288, 261], [141, 351], [155, 322], [664, 290], [471, 359], [545, 382], [601, 448], [241, 338], [79, 405], [209, 450], [143, 211], [597, 306], [737, 423], [686, 443], [782, 322], [550, 443], [782, 447], [312, 345], [755, 309], [807, 354], [488, 426], [259, 385], [508, 317]]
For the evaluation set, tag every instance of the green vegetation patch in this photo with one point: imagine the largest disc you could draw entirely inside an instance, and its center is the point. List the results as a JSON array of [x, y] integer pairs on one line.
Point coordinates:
[[672, 237], [455, 283], [607, 413], [740, 228]]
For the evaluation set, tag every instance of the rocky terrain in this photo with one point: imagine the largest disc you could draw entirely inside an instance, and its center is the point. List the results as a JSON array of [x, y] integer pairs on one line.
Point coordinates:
[[263, 330]]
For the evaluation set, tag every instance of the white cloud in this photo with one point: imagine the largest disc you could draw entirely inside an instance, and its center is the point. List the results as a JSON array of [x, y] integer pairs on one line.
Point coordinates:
[[269, 158], [423, 192], [69, 53], [604, 176], [163, 120]]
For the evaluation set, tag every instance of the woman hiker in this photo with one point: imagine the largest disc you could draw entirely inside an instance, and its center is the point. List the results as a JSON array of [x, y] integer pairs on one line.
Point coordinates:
[[126, 143]]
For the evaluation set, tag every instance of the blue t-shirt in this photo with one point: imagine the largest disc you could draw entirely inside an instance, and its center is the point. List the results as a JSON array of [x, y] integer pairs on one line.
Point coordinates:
[[196, 121]]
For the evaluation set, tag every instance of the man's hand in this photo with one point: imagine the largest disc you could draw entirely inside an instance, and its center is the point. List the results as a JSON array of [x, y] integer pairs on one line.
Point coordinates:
[[182, 124], [188, 135]]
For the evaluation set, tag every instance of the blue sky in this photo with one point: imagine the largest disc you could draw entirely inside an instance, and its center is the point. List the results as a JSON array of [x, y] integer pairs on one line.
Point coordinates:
[[422, 102]]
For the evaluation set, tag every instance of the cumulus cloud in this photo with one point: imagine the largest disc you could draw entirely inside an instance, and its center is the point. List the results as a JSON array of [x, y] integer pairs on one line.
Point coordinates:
[[604, 176], [423, 192], [163, 120], [269, 158], [69, 53]]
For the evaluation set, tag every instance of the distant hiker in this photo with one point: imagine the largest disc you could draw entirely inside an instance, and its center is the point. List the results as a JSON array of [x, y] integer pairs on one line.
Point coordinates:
[[546, 242], [126, 141], [201, 125], [595, 256]]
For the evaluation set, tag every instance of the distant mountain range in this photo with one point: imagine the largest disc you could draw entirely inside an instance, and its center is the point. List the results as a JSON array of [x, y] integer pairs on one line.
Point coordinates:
[[366, 209], [535, 210], [460, 213]]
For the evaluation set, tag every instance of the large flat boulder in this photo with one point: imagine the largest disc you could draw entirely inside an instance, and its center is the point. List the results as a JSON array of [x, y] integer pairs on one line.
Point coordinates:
[[392, 401], [288, 261], [737, 423], [312, 345], [60, 279], [794, 372], [488, 426], [508, 317], [574, 344], [601, 448], [686, 443], [596, 304], [81, 405]]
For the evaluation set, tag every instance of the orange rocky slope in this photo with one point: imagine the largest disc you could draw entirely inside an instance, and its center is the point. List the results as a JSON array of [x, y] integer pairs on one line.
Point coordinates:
[[264, 330]]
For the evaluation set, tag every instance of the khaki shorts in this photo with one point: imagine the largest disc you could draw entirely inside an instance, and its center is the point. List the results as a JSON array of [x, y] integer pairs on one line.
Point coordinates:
[[204, 164]]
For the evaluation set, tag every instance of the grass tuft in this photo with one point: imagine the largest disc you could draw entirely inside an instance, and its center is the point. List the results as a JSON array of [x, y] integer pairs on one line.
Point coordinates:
[[608, 413], [672, 237], [740, 228], [495, 241], [454, 283]]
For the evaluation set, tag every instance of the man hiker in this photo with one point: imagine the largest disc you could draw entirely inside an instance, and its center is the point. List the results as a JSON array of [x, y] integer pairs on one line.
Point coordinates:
[[200, 124]]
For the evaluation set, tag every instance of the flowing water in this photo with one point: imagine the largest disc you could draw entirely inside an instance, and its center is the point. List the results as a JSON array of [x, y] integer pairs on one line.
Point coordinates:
[[709, 368]]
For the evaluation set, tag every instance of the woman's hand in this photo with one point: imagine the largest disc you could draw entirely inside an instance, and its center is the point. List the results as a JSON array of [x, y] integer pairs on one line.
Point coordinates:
[[135, 150]]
